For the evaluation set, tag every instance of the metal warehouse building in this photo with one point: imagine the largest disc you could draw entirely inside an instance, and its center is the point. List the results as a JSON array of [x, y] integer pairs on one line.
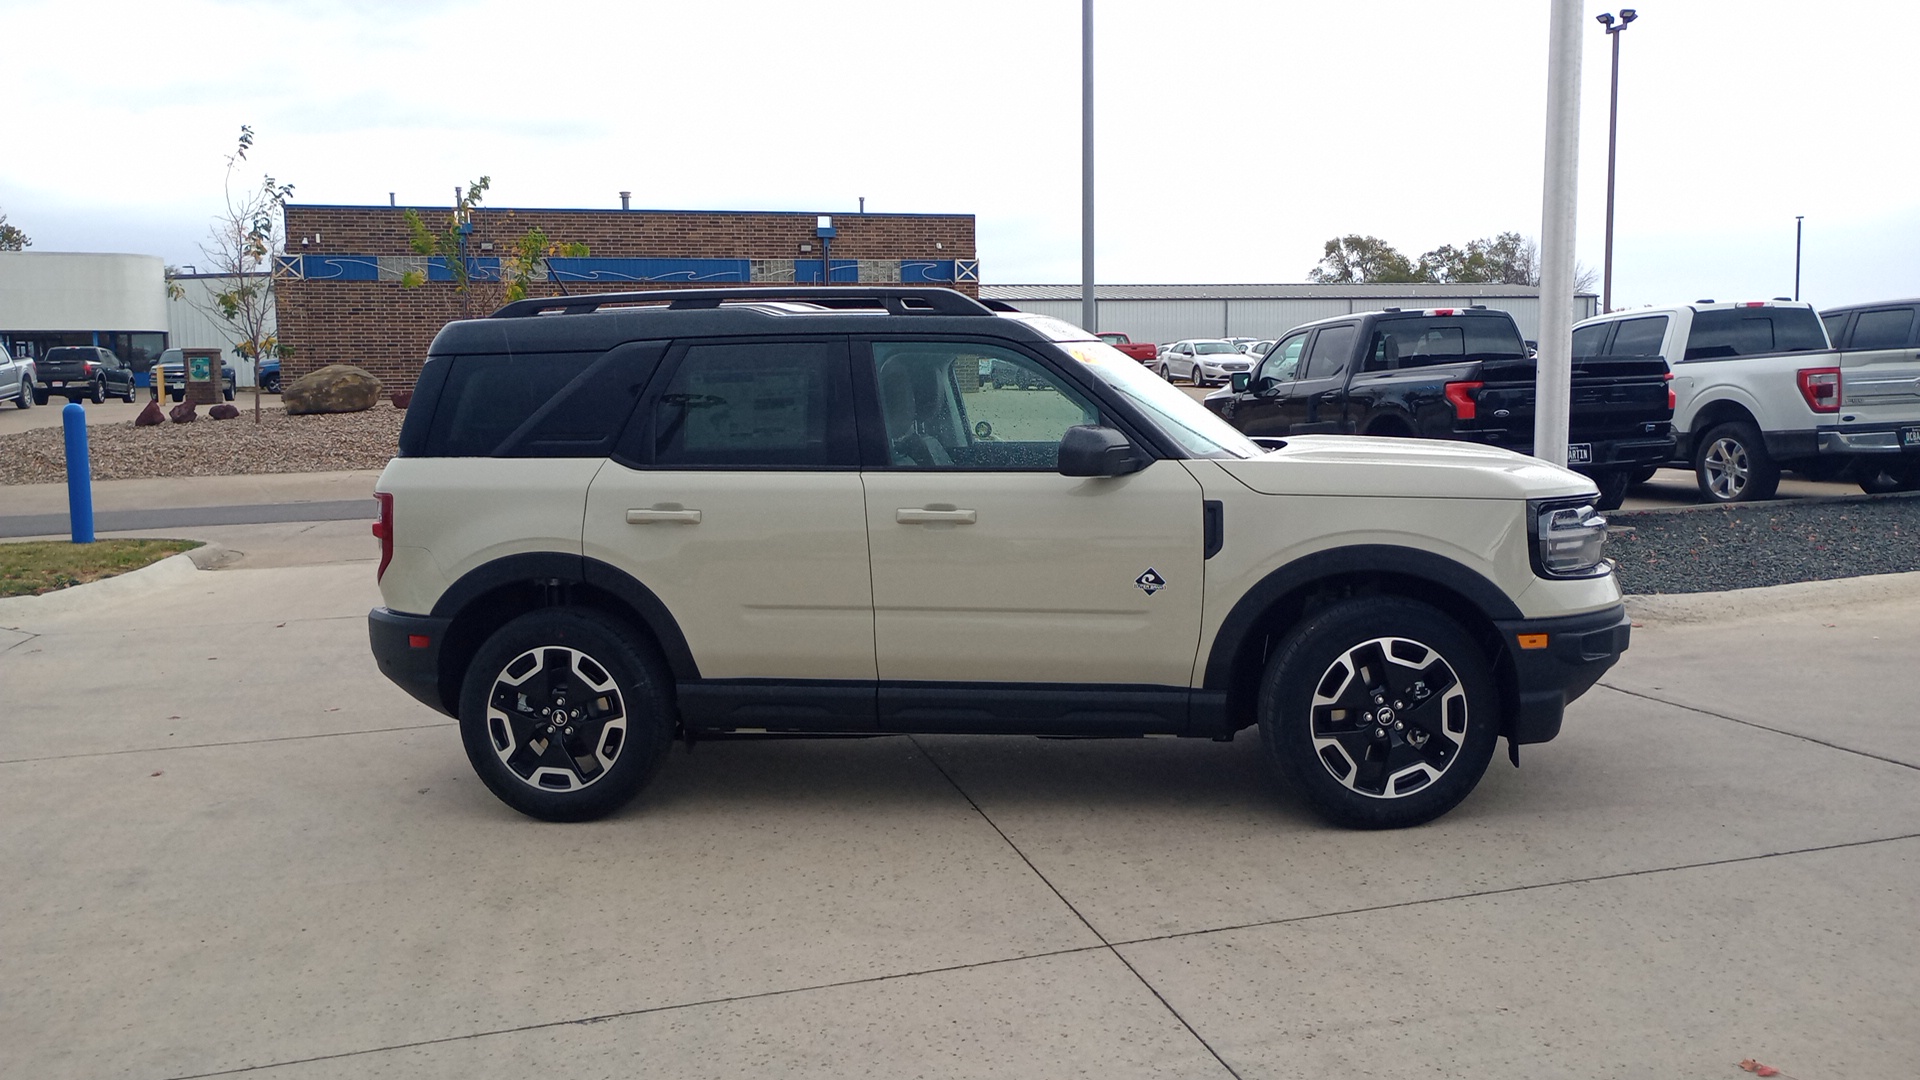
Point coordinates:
[[1163, 313]]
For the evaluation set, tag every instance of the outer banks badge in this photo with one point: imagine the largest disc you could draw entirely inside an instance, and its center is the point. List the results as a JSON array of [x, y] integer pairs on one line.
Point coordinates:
[[1150, 582]]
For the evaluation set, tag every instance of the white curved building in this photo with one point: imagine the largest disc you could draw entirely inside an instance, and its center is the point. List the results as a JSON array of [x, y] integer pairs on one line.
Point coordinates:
[[50, 298]]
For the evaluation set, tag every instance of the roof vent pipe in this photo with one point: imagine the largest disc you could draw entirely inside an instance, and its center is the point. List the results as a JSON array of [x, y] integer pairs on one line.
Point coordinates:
[[624, 196]]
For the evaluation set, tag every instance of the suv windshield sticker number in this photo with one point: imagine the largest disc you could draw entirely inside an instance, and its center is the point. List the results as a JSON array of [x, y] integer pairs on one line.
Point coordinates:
[[1150, 582]]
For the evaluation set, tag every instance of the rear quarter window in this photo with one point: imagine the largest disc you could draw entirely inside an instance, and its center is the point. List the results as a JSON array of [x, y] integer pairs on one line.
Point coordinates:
[[1730, 332], [529, 404], [1422, 342]]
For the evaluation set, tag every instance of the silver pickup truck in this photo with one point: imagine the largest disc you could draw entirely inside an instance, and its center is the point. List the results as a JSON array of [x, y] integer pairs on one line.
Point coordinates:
[[17, 381]]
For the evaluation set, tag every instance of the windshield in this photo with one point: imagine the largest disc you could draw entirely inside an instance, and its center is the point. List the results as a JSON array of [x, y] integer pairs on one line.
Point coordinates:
[[1214, 347], [1115, 339], [1185, 420]]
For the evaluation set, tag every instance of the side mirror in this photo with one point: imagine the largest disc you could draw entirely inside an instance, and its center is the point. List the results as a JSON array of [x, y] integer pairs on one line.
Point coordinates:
[[1091, 450], [1242, 380]]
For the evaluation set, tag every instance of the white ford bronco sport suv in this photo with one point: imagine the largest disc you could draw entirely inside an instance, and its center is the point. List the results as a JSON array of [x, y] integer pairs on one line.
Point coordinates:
[[620, 519]]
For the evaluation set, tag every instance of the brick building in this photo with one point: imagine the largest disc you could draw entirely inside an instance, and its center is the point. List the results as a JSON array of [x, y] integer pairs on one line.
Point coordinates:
[[341, 298]]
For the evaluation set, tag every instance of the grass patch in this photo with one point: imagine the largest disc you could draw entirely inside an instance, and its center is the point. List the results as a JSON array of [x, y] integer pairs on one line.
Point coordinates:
[[41, 566]]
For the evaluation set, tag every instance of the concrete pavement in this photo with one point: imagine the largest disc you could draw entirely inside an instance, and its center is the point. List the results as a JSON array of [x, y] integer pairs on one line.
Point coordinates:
[[231, 845]]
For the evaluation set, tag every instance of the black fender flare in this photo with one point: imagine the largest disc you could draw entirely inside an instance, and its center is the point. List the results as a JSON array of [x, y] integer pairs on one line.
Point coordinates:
[[1386, 559], [566, 570]]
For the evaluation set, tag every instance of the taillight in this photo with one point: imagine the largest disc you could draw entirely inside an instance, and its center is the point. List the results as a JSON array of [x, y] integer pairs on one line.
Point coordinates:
[[1821, 387], [1672, 401], [383, 531], [1460, 396]]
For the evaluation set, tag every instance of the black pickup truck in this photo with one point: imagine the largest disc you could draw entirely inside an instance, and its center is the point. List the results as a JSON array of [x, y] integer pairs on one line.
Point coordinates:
[[1451, 373]]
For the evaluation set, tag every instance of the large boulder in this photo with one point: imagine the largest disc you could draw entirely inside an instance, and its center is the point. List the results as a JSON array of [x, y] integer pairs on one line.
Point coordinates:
[[182, 413], [222, 412], [150, 416], [335, 388]]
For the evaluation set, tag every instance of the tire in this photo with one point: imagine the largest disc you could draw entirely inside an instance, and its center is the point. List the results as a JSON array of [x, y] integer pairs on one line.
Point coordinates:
[[1613, 488], [177, 395], [41, 396], [227, 394], [1644, 473], [559, 650], [1166, 373], [1731, 465], [1902, 475], [28, 397], [128, 396], [1377, 653], [271, 383], [97, 393]]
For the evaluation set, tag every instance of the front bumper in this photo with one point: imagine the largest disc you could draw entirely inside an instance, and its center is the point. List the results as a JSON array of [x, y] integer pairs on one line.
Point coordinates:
[[407, 648], [1553, 662]]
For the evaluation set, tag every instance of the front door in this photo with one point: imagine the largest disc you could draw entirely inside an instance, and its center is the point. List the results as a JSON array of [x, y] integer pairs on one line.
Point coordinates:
[[1880, 368], [991, 567], [1317, 404], [1261, 410]]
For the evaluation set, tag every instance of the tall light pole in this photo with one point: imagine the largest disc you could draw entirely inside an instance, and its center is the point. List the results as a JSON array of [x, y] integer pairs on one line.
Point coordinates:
[[1088, 311], [1797, 219], [1627, 15], [1553, 375]]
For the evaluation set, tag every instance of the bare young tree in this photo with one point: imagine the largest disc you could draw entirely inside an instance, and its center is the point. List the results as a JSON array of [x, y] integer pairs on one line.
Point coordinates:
[[240, 246]]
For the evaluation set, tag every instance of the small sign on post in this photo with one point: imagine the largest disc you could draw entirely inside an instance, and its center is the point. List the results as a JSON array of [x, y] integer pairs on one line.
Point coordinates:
[[203, 376]]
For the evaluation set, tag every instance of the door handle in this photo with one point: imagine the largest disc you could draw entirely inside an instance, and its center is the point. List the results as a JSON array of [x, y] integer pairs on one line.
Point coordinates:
[[915, 515], [663, 516]]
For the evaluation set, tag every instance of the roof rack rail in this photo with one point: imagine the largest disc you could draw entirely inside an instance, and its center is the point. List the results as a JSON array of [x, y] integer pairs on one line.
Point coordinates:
[[896, 300]]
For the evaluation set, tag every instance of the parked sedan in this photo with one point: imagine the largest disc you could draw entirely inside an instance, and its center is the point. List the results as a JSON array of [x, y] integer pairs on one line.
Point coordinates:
[[1203, 361]]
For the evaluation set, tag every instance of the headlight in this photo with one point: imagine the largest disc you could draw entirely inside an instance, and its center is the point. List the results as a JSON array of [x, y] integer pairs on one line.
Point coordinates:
[[1569, 539]]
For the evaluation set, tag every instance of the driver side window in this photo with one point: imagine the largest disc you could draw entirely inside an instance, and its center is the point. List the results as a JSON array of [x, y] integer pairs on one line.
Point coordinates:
[[1283, 360], [974, 407]]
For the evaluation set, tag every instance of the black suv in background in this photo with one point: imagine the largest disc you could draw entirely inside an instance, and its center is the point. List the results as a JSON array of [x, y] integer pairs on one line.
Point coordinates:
[[1451, 373], [83, 371]]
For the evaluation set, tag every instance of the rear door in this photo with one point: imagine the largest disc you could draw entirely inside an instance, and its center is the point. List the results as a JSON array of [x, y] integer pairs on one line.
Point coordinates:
[[735, 496], [1880, 366], [1317, 402]]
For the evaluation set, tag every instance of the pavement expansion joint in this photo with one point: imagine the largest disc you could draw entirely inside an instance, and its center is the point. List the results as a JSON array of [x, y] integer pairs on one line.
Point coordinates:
[[601, 1018], [231, 742], [1644, 696], [1084, 921], [1530, 887]]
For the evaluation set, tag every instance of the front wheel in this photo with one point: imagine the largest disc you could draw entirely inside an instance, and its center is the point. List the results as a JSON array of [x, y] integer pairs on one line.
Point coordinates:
[[271, 382], [127, 395], [566, 714], [227, 393], [1732, 465], [1644, 473], [1381, 711]]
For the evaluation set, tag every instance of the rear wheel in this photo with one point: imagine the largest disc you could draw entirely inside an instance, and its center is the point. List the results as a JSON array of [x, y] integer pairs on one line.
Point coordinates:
[[97, 393], [1380, 711], [28, 396], [566, 714], [40, 396], [1732, 465]]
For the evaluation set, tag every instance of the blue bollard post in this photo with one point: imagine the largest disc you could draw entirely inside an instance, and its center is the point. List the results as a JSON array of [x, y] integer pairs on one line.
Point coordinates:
[[79, 473]]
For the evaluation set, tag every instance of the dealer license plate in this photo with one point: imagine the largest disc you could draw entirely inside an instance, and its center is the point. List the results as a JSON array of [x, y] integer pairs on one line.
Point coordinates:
[[1910, 436], [1580, 453]]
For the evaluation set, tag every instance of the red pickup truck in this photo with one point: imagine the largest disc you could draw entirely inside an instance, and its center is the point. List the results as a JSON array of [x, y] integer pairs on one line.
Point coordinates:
[[1141, 351]]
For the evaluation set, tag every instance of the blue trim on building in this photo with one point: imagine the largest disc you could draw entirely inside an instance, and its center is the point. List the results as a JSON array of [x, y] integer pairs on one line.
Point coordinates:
[[485, 268], [716, 271], [335, 267], [926, 271]]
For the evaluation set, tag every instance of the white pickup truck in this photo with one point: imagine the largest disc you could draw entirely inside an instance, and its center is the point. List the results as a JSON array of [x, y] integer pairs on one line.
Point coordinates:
[[17, 379], [1758, 387]]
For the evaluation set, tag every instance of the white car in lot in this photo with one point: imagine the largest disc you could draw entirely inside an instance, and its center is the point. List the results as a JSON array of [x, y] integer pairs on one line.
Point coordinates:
[[1204, 361]]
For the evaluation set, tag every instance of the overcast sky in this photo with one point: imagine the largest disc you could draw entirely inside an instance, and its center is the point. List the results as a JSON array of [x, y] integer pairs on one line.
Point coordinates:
[[1234, 138]]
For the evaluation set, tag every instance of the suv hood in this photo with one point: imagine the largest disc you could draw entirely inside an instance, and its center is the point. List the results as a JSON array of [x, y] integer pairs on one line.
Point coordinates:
[[1368, 466]]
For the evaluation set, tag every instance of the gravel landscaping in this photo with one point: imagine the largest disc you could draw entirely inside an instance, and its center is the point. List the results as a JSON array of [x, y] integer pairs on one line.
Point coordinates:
[[279, 444], [1745, 547]]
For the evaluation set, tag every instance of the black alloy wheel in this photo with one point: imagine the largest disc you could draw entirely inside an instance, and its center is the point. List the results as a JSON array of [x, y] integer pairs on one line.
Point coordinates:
[[566, 714], [1380, 711]]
